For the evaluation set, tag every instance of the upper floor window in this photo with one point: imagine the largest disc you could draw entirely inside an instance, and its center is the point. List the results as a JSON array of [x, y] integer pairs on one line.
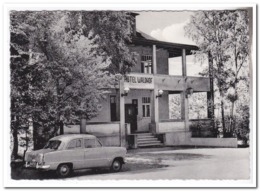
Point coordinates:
[[146, 64]]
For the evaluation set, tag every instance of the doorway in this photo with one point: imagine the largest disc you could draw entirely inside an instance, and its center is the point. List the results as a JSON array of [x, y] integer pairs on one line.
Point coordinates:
[[131, 116]]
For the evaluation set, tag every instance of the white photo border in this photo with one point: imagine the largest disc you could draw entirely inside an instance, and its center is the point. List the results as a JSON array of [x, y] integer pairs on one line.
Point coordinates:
[[8, 182]]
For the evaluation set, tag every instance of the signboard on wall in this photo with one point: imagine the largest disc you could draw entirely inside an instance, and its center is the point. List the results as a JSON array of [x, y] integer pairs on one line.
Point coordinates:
[[139, 81]]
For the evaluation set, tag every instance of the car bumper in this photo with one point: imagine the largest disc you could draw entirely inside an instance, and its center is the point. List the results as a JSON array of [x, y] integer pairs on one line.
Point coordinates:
[[37, 166]]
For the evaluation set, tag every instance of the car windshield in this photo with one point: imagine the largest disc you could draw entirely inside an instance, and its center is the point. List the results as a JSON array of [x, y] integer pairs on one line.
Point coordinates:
[[52, 144]]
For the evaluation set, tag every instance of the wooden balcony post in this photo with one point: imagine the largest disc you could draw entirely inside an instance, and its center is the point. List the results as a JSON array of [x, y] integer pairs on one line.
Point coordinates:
[[184, 67], [154, 60], [184, 98]]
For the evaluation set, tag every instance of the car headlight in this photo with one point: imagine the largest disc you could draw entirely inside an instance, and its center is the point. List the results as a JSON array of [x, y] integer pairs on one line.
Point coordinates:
[[40, 158]]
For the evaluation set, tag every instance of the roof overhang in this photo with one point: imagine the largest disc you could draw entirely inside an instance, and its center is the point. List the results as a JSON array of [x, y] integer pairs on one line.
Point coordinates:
[[174, 49]]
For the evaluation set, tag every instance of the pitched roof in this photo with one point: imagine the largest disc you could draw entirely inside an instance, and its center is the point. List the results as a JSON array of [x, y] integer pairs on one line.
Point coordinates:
[[175, 49]]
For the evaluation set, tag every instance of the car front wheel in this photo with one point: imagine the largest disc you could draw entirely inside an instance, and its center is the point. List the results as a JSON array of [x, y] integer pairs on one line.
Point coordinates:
[[116, 165], [64, 170]]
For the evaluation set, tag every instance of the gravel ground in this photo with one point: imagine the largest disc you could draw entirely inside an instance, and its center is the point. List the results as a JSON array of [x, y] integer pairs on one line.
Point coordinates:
[[136, 160], [186, 164], [207, 163]]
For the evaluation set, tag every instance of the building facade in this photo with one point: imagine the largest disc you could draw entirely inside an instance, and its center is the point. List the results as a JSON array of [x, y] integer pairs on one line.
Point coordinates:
[[136, 113]]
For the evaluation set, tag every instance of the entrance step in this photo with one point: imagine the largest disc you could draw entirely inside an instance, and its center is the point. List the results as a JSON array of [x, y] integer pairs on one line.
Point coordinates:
[[147, 140], [146, 137], [150, 145]]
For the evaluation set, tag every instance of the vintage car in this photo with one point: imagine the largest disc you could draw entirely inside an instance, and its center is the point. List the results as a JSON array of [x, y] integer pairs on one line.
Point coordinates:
[[66, 153]]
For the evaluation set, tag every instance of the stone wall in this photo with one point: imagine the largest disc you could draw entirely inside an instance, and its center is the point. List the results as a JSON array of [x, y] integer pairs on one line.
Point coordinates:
[[184, 139]]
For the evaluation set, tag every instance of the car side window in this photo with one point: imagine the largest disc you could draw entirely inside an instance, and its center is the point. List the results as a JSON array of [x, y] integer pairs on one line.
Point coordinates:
[[89, 143], [76, 143]]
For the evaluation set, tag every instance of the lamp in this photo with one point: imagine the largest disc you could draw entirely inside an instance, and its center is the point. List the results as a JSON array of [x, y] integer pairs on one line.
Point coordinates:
[[126, 90], [189, 91], [160, 92]]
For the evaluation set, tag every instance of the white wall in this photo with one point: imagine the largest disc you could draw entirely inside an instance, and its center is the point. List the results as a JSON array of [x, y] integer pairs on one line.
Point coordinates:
[[104, 113], [100, 129], [171, 126], [107, 133]]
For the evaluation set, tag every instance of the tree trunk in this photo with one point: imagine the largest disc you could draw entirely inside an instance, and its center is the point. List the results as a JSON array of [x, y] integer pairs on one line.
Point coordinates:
[[26, 144], [210, 94], [83, 122], [36, 136], [15, 143], [232, 116], [223, 117], [233, 106], [61, 124]]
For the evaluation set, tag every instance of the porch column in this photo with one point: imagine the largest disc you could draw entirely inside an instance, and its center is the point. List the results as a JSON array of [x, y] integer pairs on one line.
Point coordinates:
[[154, 110], [122, 115], [184, 99], [183, 96], [154, 100]]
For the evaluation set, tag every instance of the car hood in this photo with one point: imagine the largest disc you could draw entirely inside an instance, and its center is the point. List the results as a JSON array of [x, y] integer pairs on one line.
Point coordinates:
[[33, 154]]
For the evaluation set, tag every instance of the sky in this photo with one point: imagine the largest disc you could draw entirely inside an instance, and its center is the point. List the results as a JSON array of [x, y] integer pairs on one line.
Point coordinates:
[[169, 26], [165, 26]]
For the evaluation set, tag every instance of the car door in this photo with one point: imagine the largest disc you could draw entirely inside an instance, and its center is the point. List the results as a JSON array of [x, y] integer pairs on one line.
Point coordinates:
[[94, 154], [75, 153]]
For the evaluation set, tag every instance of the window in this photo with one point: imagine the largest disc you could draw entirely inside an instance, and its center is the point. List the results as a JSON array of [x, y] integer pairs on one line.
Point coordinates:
[[146, 64], [89, 143], [135, 103], [174, 106], [76, 143], [98, 143], [146, 106], [112, 99], [53, 144]]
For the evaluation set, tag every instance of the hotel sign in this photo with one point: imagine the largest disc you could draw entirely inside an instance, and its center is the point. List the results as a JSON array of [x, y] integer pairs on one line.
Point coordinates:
[[139, 81]]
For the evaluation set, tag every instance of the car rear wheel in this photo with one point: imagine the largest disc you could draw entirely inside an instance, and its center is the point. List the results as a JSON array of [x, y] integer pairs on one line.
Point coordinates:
[[116, 165], [64, 170]]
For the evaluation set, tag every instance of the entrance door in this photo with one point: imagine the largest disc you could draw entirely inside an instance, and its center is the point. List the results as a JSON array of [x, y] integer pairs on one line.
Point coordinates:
[[131, 116]]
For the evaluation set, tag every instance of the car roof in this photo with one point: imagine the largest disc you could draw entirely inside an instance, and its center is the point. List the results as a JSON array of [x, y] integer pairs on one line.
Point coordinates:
[[68, 137]]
